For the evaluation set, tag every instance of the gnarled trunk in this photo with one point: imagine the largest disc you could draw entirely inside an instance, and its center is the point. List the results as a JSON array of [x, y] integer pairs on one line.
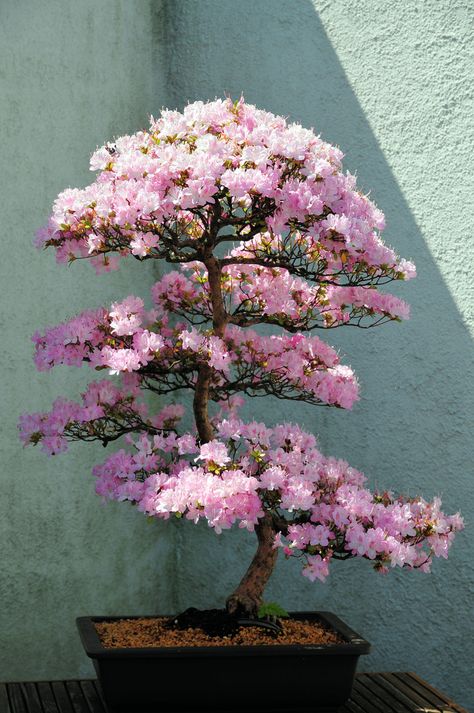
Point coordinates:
[[247, 597], [219, 321], [200, 405]]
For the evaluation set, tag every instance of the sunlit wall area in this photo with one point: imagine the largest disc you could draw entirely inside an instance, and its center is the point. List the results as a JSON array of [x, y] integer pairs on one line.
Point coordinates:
[[389, 83]]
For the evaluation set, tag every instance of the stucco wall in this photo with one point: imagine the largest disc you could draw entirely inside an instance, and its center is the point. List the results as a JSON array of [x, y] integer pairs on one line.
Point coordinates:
[[73, 74], [388, 82]]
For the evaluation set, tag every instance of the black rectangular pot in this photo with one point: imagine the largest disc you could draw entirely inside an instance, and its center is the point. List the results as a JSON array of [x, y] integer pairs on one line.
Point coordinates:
[[226, 679]]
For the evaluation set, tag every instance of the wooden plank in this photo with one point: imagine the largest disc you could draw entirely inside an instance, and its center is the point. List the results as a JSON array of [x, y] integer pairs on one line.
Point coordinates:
[[46, 696], [15, 695], [99, 692], [92, 697], [356, 704], [30, 694], [351, 707], [432, 695], [78, 701], [363, 703], [455, 706], [386, 701], [400, 692], [419, 700], [4, 702], [61, 696], [423, 689], [365, 698], [372, 693]]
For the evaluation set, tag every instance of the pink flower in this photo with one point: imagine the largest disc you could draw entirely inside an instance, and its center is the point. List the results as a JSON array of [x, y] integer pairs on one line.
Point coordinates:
[[94, 242], [192, 340], [142, 244], [120, 360], [147, 342], [214, 451], [269, 229], [126, 316], [273, 478], [219, 357], [187, 444], [317, 567]]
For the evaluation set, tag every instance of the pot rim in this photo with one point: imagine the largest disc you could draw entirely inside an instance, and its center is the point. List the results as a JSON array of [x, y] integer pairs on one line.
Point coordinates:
[[354, 643]]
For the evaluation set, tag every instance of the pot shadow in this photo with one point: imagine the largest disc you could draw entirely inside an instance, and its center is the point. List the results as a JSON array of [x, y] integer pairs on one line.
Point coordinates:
[[410, 429]]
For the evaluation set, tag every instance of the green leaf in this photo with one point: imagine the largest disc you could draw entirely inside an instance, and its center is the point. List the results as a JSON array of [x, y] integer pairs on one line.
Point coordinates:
[[257, 455], [268, 609]]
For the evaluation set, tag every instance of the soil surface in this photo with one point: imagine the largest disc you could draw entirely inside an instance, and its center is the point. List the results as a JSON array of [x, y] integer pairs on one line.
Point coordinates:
[[210, 628]]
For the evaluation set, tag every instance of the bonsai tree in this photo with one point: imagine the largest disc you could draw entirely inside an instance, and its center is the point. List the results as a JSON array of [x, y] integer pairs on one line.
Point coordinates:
[[264, 228]]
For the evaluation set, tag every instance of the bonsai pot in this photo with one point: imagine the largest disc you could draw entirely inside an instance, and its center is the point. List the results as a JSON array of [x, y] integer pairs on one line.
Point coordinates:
[[228, 679]]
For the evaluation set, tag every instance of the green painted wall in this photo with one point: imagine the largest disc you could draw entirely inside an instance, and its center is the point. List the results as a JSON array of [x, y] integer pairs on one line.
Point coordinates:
[[389, 83], [73, 74]]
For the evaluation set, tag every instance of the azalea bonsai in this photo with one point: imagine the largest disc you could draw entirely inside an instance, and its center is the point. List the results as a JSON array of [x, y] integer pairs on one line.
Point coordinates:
[[264, 228]]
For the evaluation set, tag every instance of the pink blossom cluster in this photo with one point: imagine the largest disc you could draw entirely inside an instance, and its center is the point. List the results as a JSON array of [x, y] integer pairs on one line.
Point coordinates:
[[268, 229], [90, 419], [272, 291], [323, 510], [277, 363], [307, 364], [259, 294], [169, 179], [111, 338], [106, 412], [128, 339], [70, 342], [49, 427]]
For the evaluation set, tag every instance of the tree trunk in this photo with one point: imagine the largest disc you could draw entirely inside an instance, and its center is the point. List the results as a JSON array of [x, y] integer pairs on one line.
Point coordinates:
[[247, 598], [200, 405], [219, 321]]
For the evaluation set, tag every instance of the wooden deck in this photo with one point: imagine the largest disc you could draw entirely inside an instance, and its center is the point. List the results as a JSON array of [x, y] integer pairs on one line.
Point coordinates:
[[373, 693]]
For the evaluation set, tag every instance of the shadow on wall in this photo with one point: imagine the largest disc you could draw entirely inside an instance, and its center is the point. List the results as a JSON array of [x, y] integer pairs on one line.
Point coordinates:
[[411, 427], [282, 60]]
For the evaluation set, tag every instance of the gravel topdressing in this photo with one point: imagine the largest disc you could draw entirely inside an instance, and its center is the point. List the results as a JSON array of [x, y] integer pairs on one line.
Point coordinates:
[[151, 632]]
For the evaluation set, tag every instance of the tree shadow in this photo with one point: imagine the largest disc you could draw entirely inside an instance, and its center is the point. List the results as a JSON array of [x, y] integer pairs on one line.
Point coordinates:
[[410, 430]]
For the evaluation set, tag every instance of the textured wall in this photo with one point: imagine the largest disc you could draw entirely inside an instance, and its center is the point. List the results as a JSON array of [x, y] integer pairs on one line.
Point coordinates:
[[389, 83], [73, 74]]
